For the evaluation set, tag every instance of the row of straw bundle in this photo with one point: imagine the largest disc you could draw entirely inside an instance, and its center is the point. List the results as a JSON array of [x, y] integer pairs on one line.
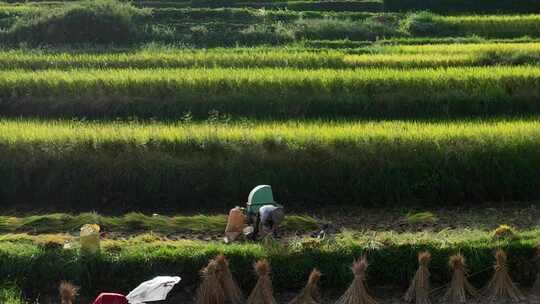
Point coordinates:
[[218, 285], [459, 291], [500, 287]]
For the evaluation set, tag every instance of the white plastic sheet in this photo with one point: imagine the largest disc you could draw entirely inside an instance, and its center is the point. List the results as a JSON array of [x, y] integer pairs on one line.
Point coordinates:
[[153, 290]]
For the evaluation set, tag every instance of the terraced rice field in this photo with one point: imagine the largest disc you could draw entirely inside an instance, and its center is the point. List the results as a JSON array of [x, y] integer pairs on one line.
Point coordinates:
[[156, 124], [370, 163], [398, 56]]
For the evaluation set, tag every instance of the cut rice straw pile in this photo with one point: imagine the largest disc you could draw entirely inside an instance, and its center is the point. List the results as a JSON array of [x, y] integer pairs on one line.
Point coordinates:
[[357, 291], [460, 287], [233, 293], [210, 290], [420, 285], [501, 286], [68, 292], [262, 292], [311, 293]]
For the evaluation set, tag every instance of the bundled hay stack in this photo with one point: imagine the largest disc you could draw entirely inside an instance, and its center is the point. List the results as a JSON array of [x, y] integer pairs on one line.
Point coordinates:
[[68, 292], [210, 290], [232, 291], [262, 292], [501, 285], [460, 287], [310, 294], [420, 285], [357, 292]]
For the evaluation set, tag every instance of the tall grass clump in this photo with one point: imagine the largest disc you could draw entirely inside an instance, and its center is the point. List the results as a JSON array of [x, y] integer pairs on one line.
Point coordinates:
[[419, 24], [272, 34], [100, 21]]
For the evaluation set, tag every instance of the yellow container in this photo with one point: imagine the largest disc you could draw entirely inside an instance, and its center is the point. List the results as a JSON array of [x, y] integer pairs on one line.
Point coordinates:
[[89, 238]]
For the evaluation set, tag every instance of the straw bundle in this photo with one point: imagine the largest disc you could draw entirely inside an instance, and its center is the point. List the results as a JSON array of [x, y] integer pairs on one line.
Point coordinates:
[[310, 294], [420, 285], [501, 285], [459, 287], [210, 290], [232, 291], [357, 291], [68, 292], [262, 292]]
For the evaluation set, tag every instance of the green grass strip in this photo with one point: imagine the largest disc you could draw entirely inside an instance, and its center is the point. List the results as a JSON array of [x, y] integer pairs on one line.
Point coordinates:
[[136, 222], [37, 266]]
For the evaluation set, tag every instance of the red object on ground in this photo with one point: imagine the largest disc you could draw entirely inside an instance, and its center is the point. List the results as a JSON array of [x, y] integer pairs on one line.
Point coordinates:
[[111, 298]]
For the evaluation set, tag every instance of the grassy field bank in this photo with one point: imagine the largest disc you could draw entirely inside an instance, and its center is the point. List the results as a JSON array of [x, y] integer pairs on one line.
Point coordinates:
[[37, 263], [213, 165]]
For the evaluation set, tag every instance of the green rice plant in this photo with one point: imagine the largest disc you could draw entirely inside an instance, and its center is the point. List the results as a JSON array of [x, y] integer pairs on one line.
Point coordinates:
[[460, 48], [330, 28], [420, 218], [48, 223], [425, 56], [464, 6], [490, 26], [500, 26], [150, 166], [135, 222], [295, 222], [450, 40], [269, 93], [200, 223], [138, 221]]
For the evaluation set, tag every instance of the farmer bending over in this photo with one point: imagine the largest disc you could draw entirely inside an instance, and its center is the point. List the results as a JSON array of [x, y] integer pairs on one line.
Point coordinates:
[[268, 219]]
